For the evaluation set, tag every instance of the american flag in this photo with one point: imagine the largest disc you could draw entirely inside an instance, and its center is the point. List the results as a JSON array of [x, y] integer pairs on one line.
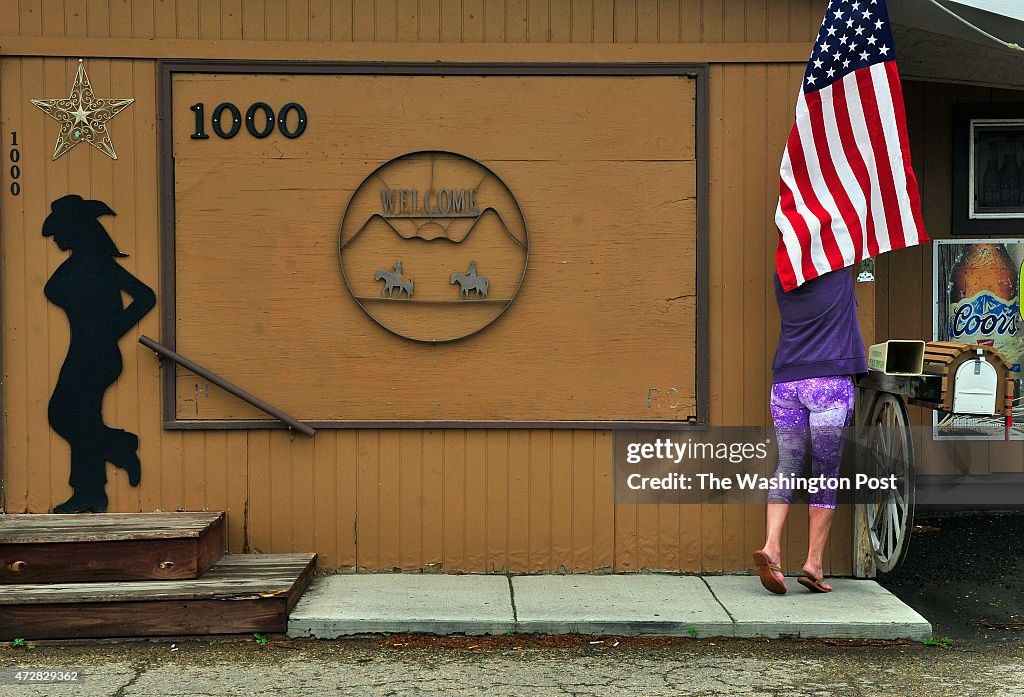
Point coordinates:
[[847, 190]]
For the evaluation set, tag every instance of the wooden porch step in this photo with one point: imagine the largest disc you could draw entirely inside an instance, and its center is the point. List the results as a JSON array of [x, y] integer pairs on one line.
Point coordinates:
[[241, 593], [47, 548]]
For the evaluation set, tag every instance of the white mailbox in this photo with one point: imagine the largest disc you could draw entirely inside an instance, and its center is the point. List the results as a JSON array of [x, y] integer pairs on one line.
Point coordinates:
[[974, 379], [974, 387]]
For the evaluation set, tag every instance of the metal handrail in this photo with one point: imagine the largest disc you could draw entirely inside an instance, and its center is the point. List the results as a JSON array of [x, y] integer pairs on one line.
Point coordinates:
[[220, 382]]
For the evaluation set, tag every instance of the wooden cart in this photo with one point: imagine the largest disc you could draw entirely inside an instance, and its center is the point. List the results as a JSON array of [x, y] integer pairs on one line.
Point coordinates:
[[952, 377]]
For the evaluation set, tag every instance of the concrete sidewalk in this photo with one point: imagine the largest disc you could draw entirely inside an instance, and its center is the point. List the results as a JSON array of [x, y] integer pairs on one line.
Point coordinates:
[[627, 604]]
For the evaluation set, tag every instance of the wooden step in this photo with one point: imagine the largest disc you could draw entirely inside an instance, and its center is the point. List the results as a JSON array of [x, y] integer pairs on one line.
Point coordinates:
[[241, 593], [47, 548]]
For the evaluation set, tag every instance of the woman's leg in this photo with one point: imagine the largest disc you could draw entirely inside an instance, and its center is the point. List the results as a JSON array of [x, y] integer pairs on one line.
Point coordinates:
[[791, 432], [88, 482], [75, 414], [830, 401], [820, 524], [775, 522], [120, 450]]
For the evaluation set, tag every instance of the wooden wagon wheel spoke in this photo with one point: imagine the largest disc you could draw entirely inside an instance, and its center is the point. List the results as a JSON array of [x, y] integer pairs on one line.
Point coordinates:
[[894, 540], [884, 431], [897, 451], [884, 546], [875, 527], [874, 519], [898, 447], [878, 524], [899, 498], [894, 519]]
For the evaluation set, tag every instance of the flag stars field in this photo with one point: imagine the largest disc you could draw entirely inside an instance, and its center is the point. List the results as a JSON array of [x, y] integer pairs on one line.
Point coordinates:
[[847, 191], [831, 29]]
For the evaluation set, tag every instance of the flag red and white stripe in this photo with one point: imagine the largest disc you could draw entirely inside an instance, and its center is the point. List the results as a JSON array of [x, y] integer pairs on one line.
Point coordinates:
[[847, 190]]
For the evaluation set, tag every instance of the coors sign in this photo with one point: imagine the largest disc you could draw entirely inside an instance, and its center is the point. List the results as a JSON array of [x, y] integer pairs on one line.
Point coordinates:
[[983, 299]]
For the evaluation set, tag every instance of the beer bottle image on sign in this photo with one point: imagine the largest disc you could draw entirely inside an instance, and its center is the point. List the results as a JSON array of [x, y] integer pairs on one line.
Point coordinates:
[[984, 299]]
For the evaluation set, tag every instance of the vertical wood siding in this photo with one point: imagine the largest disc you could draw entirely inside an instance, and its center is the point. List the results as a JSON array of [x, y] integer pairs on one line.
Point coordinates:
[[470, 500], [453, 21]]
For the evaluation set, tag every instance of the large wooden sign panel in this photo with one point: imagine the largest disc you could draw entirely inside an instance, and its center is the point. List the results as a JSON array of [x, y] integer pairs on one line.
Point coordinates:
[[435, 247]]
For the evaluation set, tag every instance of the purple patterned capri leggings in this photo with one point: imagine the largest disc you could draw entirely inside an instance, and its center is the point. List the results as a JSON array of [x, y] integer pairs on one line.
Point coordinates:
[[815, 410]]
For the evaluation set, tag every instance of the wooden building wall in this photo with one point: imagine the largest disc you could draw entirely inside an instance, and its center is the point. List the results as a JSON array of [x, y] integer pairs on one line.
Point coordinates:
[[469, 500], [439, 21]]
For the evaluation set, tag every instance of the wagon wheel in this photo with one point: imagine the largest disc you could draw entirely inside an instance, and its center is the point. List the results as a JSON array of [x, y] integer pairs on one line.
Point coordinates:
[[890, 451]]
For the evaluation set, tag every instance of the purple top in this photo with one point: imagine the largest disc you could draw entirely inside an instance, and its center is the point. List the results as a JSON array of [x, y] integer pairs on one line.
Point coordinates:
[[820, 333]]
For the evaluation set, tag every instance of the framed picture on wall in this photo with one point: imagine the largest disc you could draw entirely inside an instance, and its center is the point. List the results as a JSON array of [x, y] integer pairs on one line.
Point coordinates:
[[988, 169]]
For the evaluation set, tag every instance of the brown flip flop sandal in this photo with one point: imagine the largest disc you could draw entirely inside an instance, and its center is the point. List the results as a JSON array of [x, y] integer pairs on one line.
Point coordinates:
[[765, 567], [813, 584]]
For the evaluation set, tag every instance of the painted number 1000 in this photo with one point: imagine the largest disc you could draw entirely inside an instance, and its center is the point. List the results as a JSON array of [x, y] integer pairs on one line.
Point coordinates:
[[260, 120], [15, 155]]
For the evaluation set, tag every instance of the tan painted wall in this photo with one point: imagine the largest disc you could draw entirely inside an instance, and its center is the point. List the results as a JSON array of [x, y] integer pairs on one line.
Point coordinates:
[[448, 21], [473, 500]]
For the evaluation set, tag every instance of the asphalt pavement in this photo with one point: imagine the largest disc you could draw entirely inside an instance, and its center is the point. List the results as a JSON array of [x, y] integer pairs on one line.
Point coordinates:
[[521, 667]]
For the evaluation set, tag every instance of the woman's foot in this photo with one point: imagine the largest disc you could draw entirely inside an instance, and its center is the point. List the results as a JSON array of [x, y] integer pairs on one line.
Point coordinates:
[[770, 571], [83, 503], [123, 454], [813, 579], [132, 466]]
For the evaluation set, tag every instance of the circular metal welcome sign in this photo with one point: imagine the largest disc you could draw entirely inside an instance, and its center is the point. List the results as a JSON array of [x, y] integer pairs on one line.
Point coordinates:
[[433, 246]]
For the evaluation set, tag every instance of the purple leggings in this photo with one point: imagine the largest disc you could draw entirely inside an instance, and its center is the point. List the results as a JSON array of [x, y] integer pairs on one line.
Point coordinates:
[[816, 410]]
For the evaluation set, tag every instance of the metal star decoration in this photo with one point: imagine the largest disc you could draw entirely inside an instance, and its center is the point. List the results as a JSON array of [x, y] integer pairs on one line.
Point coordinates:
[[82, 117]]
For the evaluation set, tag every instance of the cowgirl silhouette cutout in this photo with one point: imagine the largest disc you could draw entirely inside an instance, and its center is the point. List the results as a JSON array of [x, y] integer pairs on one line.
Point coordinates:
[[88, 286]]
